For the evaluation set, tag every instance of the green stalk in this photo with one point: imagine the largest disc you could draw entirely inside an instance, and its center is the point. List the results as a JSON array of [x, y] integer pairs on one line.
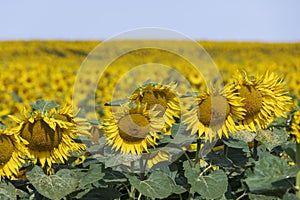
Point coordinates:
[[132, 193], [197, 159], [298, 173], [225, 150], [255, 145]]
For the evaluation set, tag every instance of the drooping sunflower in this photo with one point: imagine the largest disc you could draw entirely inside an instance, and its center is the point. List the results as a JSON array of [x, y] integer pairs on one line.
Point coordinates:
[[264, 97], [12, 152], [49, 135], [163, 97], [214, 113], [133, 129]]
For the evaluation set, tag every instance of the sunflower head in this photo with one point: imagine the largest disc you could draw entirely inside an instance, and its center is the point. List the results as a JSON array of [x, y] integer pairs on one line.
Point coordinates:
[[6, 149], [264, 98], [213, 109], [162, 98], [253, 100], [41, 136], [133, 129], [49, 133], [12, 152], [215, 113]]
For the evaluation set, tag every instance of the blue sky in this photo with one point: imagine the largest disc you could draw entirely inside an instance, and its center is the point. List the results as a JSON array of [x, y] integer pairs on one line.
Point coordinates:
[[255, 20]]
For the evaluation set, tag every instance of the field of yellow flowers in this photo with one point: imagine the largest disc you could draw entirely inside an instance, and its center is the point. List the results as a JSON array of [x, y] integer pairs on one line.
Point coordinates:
[[65, 135]]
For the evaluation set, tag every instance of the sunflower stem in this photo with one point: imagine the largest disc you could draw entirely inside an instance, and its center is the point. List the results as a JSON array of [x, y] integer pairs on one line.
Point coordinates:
[[140, 196], [197, 159], [225, 150], [255, 145], [132, 192], [298, 173], [188, 158], [191, 193], [142, 170]]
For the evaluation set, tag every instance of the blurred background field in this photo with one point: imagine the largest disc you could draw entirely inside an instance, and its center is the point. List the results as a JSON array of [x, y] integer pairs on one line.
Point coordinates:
[[32, 70]]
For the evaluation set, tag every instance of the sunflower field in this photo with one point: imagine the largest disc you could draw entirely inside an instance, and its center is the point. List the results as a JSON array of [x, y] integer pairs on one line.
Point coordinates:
[[148, 124]]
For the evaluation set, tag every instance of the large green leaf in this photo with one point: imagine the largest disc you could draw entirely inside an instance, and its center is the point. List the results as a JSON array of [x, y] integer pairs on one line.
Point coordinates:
[[237, 144], [101, 194], [158, 185], [113, 176], [171, 171], [289, 196], [7, 191], [209, 186], [271, 138], [243, 135], [268, 170], [278, 122], [94, 174], [116, 159], [55, 186], [261, 197]]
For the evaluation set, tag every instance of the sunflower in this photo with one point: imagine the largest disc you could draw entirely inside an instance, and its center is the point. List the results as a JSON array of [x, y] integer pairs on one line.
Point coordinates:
[[161, 96], [295, 127], [12, 152], [214, 113], [264, 98], [49, 134], [133, 129]]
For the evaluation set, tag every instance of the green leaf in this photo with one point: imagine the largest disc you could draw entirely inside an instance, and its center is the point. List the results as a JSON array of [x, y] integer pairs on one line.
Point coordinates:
[[261, 197], [94, 174], [101, 194], [237, 144], [278, 122], [44, 105], [55, 186], [219, 160], [158, 185], [171, 171], [289, 196], [209, 186], [268, 169], [243, 135], [113, 176], [271, 138], [181, 138], [290, 149], [7, 191], [178, 189], [22, 195], [237, 156], [116, 159]]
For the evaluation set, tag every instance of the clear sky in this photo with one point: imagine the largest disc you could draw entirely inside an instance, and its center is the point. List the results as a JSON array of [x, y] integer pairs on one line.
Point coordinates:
[[238, 20]]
